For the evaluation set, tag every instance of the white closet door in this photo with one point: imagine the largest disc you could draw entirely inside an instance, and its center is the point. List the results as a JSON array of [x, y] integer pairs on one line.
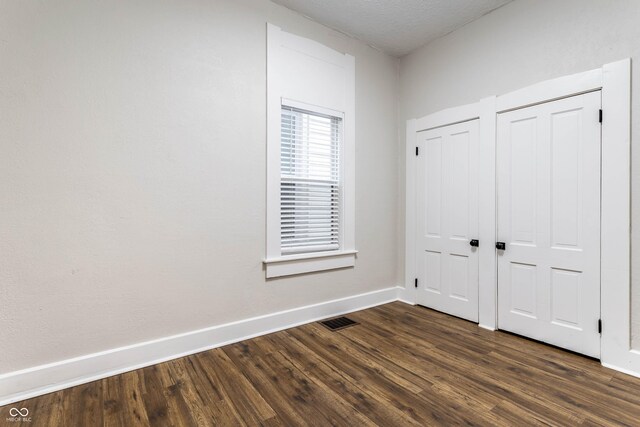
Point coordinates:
[[447, 203], [548, 172]]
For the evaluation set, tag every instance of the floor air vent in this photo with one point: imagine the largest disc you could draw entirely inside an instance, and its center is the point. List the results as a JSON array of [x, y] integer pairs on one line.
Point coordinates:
[[338, 323]]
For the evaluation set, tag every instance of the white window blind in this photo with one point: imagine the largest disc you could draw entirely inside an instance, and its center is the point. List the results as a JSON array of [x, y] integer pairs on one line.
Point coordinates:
[[310, 205]]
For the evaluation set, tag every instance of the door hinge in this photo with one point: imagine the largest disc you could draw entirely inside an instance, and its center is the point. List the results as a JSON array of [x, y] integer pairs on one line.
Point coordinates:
[[417, 150], [600, 116], [599, 326], [416, 282]]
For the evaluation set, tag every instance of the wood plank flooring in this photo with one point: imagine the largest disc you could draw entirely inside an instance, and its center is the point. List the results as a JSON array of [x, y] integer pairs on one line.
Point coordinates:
[[401, 366]]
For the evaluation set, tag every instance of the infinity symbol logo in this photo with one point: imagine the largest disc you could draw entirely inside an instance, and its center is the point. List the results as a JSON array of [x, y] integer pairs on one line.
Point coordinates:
[[14, 412]]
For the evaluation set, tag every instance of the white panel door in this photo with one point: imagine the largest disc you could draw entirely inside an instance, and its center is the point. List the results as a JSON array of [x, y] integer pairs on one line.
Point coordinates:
[[447, 204], [548, 173]]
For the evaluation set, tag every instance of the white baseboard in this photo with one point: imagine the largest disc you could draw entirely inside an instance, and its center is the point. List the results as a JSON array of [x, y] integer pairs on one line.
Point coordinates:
[[627, 363], [38, 380], [488, 328], [623, 370], [406, 295]]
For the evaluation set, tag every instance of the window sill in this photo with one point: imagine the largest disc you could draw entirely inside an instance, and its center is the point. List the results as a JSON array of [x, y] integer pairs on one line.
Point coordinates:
[[306, 263]]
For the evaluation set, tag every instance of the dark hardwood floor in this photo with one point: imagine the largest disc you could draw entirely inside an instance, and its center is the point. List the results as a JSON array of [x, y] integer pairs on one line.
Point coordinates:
[[401, 365]]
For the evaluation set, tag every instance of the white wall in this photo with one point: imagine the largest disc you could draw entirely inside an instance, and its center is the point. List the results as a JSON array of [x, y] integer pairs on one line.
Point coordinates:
[[132, 172], [522, 43]]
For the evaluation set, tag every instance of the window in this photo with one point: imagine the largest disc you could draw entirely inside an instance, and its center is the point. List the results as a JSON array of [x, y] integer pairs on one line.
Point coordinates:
[[310, 196], [310, 156]]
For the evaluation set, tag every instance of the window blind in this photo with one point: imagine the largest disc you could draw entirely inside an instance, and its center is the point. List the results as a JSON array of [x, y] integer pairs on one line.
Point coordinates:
[[309, 181]]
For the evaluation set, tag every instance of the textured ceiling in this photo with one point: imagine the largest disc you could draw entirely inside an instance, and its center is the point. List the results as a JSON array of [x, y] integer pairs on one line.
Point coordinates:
[[394, 26]]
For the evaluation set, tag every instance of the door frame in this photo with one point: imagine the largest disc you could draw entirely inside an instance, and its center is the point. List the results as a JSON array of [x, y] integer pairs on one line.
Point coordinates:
[[614, 80]]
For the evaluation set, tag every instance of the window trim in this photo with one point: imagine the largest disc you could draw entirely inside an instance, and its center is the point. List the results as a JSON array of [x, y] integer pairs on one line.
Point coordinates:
[[280, 44], [299, 105]]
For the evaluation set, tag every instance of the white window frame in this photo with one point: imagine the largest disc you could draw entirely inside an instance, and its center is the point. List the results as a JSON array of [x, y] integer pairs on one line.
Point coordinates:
[[288, 89]]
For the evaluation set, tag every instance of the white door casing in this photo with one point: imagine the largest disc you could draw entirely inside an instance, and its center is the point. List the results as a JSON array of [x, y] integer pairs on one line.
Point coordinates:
[[614, 81], [548, 197], [447, 219]]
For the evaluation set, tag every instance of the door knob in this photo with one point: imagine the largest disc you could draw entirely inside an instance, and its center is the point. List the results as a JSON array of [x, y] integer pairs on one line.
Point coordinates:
[[475, 243], [500, 246]]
